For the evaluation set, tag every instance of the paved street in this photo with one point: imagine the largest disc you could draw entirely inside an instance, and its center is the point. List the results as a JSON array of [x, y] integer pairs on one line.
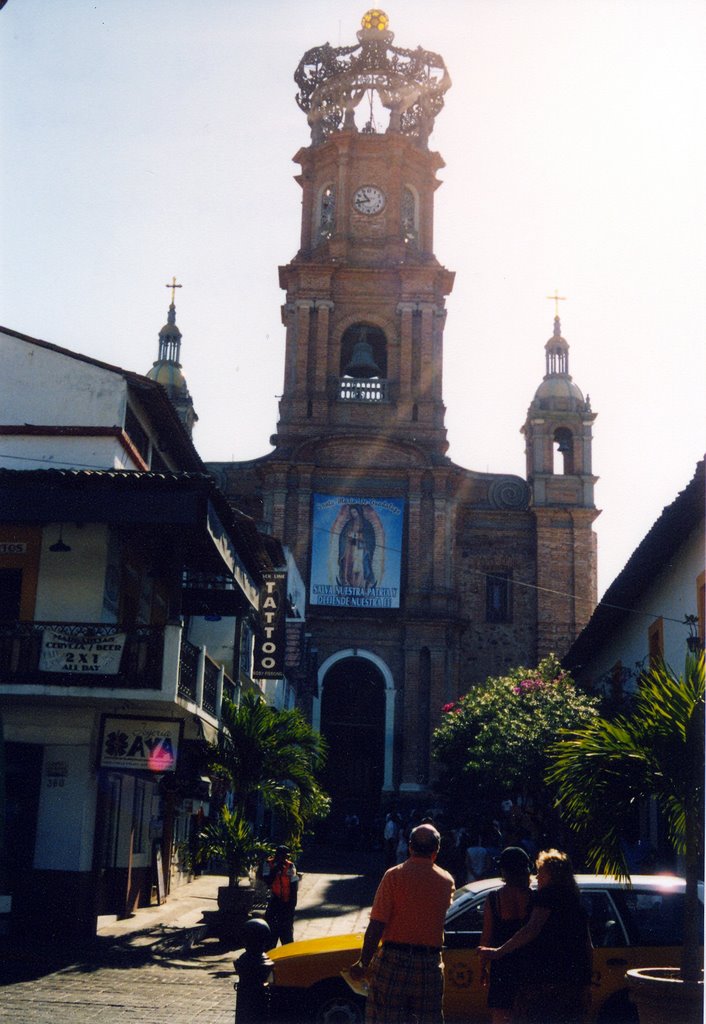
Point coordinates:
[[159, 966]]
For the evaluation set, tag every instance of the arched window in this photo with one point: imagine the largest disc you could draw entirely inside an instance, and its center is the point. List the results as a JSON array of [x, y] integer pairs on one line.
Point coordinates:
[[327, 211], [410, 215]]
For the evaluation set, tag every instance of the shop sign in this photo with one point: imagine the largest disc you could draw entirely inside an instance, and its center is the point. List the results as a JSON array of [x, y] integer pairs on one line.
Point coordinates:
[[13, 548], [295, 644], [270, 638], [148, 744], [83, 653]]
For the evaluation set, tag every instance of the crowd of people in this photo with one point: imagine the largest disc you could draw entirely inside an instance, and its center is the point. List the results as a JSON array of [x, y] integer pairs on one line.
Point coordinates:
[[468, 851]]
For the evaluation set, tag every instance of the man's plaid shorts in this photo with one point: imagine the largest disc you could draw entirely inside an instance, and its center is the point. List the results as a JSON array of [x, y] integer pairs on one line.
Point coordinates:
[[406, 987]]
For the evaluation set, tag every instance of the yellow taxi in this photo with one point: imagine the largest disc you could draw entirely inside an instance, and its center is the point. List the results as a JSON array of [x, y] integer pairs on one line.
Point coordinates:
[[631, 926]]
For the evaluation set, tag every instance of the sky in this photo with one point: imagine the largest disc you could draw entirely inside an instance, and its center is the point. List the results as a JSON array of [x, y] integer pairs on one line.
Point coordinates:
[[145, 139]]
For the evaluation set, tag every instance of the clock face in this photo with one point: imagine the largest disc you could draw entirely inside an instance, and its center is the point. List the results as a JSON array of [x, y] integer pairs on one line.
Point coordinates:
[[369, 199]]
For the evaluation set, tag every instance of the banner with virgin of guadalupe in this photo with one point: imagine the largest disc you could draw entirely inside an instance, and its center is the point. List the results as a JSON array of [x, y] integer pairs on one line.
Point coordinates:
[[356, 551]]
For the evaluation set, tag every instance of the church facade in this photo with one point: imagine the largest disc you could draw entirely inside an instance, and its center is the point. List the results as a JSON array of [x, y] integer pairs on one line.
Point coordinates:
[[423, 577]]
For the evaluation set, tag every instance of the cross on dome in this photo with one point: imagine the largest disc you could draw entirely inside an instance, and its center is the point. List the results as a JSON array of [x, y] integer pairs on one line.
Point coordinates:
[[556, 298], [173, 286]]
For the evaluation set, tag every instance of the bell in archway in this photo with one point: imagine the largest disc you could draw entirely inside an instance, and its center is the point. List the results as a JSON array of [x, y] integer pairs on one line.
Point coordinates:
[[362, 362]]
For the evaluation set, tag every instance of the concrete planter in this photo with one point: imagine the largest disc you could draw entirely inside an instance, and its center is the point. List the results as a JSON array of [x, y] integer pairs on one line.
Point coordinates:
[[235, 903], [660, 995]]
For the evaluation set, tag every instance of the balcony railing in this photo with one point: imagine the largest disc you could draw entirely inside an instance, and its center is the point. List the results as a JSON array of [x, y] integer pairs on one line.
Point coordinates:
[[188, 670], [211, 674], [92, 656], [354, 389], [81, 654]]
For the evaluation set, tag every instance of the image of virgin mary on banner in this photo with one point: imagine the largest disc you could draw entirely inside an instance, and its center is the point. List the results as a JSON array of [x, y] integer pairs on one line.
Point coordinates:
[[356, 551]]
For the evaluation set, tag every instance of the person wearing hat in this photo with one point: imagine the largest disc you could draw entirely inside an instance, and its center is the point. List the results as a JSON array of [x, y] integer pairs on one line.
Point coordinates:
[[506, 910], [280, 876], [406, 973]]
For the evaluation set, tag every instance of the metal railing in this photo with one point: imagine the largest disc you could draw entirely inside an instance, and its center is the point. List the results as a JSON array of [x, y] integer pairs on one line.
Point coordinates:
[[86, 654], [211, 673], [353, 389], [188, 670], [92, 655]]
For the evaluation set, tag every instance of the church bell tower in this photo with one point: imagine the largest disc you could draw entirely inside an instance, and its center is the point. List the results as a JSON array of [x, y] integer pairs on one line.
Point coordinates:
[[365, 295], [558, 441], [422, 577]]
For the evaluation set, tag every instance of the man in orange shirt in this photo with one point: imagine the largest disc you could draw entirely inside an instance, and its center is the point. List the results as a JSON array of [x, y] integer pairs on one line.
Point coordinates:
[[406, 973]]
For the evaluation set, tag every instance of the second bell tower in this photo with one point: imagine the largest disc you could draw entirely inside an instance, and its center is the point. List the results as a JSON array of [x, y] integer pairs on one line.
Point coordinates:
[[365, 295]]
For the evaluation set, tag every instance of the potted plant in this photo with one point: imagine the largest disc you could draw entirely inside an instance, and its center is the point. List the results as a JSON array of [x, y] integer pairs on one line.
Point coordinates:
[[656, 751], [266, 754], [231, 840]]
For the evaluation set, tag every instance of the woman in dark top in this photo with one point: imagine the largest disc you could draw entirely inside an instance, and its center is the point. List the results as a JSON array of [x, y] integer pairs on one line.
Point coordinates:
[[506, 910], [557, 949]]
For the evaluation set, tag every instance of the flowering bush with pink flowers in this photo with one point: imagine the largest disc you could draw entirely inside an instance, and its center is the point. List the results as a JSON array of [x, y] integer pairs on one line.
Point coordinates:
[[492, 741]]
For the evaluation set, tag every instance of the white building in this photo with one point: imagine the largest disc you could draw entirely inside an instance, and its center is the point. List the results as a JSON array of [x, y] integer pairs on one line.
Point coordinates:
[[114, 542], [643, 614]]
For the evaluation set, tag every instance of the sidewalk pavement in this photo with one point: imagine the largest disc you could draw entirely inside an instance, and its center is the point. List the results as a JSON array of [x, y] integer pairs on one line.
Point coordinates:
[[335, 895], [162, 963]]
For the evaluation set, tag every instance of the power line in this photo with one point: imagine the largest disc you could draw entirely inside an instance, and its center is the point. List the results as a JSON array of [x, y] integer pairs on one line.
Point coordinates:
[[563, 593], [388, 548]]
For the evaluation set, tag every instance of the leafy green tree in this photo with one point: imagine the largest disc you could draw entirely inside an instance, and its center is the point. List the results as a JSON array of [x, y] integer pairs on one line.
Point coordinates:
[[493, 741], [601, 771], [272, 753]]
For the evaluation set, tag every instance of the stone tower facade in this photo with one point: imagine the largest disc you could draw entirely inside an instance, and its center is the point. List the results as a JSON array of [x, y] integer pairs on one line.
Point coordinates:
[[558, 435], [422, 576]]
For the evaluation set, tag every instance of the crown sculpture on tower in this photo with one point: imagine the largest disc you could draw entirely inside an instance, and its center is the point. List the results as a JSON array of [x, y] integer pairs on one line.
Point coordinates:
[[409, 83]]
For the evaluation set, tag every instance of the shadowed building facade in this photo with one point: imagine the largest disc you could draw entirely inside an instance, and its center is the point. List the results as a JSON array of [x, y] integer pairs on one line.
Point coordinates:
[[423, 577]]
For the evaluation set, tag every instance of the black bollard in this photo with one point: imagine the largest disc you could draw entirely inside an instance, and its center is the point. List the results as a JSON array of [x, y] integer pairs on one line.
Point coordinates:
[[254, 970]]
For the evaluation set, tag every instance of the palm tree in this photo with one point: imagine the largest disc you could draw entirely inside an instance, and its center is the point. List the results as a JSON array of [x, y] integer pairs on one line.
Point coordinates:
[[657, 751], [231, 839], [273, 753]]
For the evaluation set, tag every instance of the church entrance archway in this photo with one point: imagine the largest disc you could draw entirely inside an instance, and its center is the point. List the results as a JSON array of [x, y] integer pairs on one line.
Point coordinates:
[[353, 710]]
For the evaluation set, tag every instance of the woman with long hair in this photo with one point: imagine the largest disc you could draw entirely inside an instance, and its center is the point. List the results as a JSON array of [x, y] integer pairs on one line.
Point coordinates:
[[557, 949], [506, 911]]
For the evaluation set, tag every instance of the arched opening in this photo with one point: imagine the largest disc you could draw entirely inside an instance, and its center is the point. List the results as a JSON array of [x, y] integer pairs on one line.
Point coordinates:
[[564, 441], [353, 722], [364, 352]]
